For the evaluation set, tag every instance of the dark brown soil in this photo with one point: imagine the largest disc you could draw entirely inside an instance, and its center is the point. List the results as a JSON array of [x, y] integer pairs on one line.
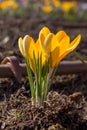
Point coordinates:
[[66, 104]]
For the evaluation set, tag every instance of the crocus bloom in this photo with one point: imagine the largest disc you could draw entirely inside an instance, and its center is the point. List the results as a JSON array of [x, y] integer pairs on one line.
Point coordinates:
[[57, 45], [52, 47], [28, 47], [47, 51]]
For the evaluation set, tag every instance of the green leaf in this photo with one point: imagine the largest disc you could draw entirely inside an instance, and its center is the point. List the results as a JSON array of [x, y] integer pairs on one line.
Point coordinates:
[[32, 88], [80, 58]]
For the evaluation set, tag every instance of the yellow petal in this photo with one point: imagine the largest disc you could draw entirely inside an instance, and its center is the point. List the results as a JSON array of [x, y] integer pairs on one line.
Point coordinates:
[[41, 51], [42, 35], [20, 44], [47, 42], [50, 42], [45, 30], [31, 62], [60, 35], [38, 49], [28, 46], [61, 51], [74, 43], [70, 48], [63, 45], [54, 57]]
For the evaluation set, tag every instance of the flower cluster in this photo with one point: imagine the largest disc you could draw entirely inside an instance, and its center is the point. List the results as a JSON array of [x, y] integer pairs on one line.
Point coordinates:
[[43, 55], [47, 5], [50, 5]]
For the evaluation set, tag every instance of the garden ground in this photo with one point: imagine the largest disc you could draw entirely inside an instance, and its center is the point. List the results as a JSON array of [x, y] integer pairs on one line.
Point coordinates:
[[66, 104]]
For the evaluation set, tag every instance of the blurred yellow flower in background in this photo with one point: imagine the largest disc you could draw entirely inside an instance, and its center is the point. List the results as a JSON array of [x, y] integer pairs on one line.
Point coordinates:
[[56, 3], [47, 2], [8, 3], [66, 6], [47, 8]]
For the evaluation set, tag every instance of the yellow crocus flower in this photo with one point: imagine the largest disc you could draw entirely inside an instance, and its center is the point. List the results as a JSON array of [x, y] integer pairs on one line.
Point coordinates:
[[28, 47], [57, 45], [48, 47]]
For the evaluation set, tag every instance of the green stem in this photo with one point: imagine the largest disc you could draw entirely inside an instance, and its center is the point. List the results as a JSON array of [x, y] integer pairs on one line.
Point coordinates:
[[30, 78], [51, 76], [45, 81]]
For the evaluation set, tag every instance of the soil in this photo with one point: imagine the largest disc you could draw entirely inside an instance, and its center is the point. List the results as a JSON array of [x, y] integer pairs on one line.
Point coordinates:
[[66, 104]]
